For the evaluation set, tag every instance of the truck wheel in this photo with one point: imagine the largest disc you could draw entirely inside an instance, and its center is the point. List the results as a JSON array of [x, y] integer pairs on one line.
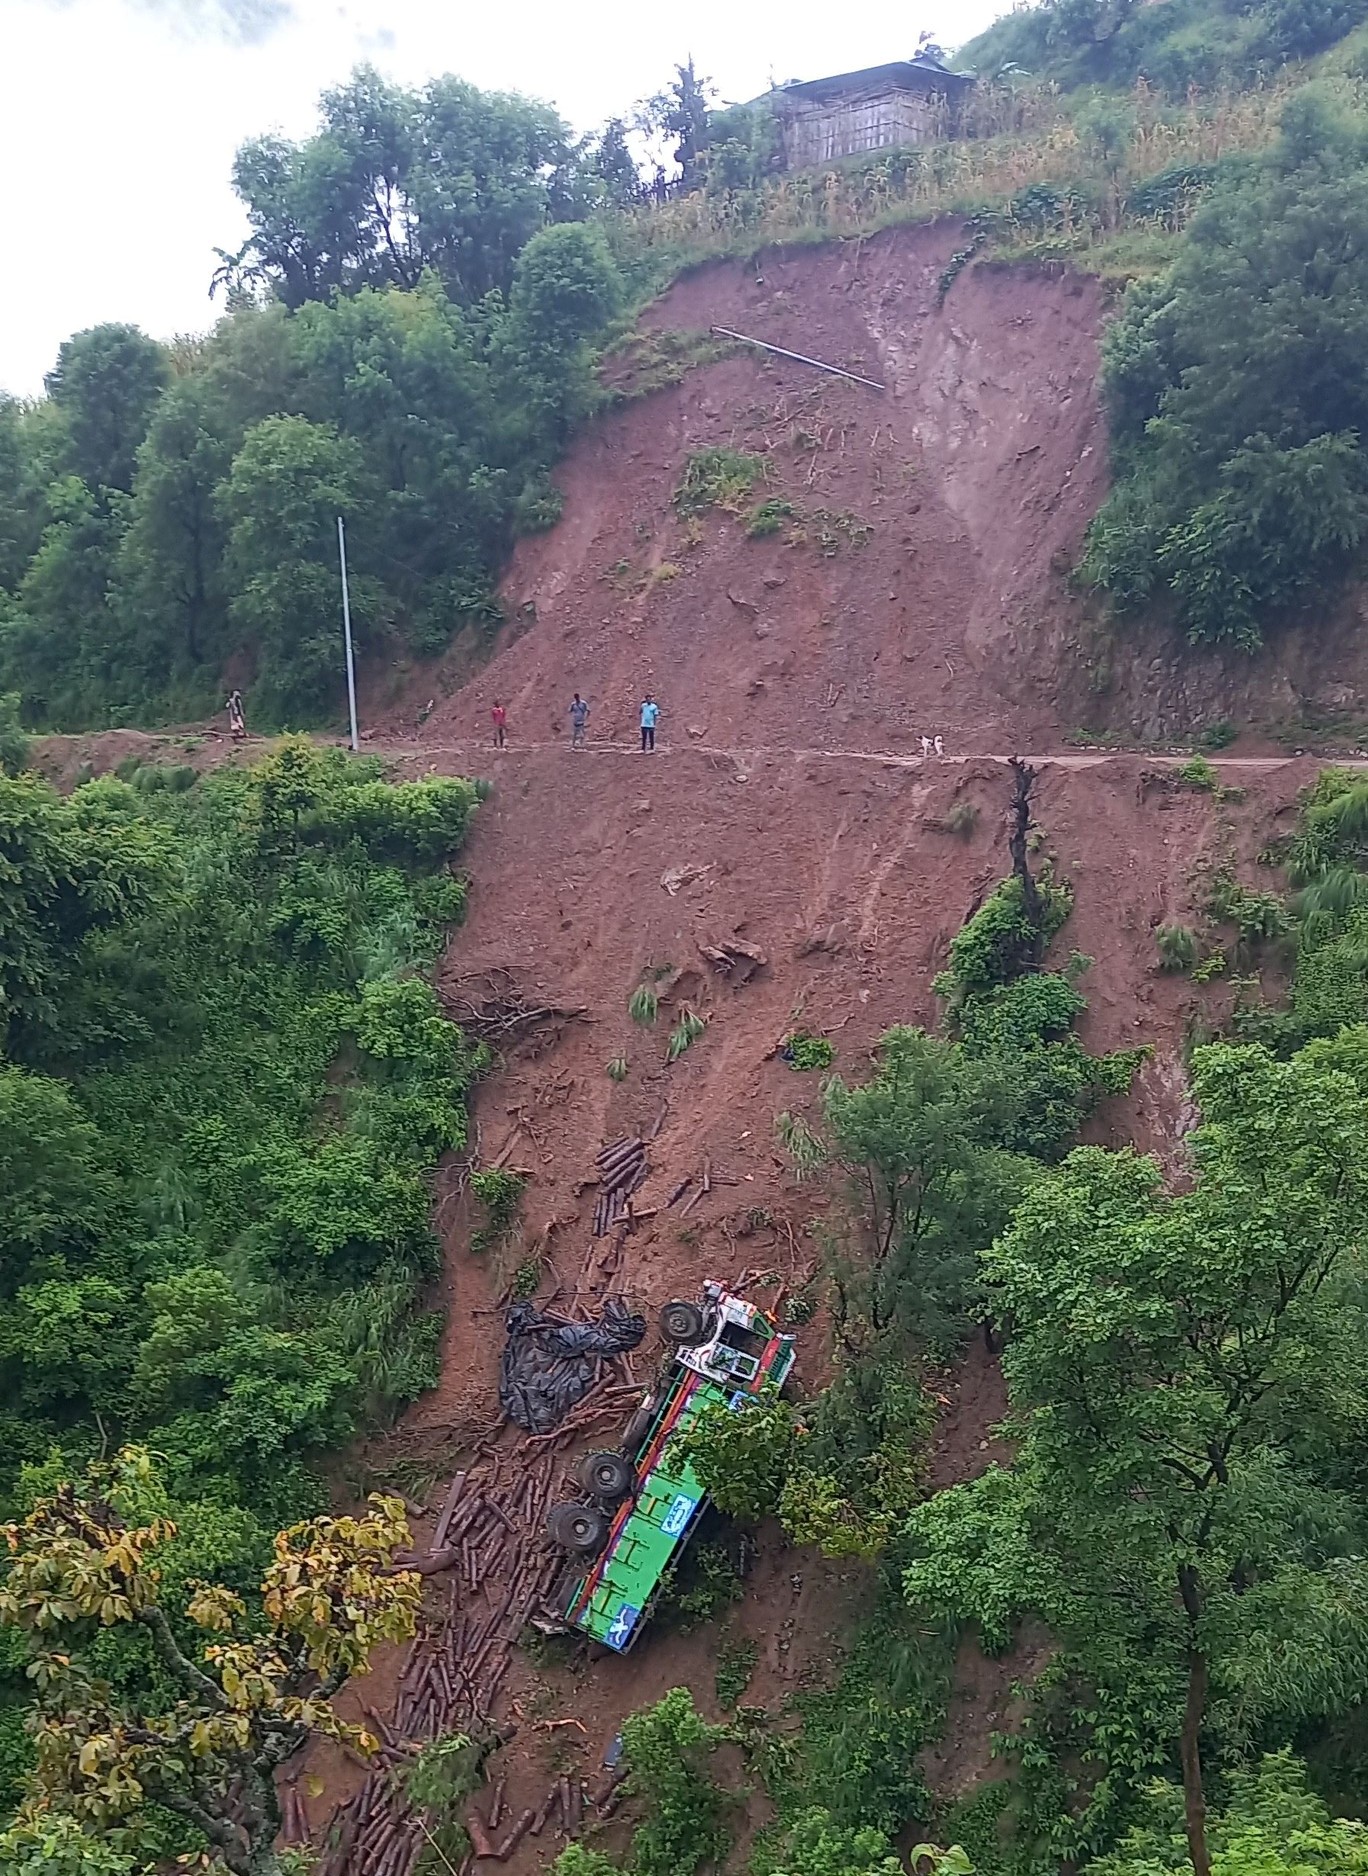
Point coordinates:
[[608, 1477], [580, 1529], [684, 1324]]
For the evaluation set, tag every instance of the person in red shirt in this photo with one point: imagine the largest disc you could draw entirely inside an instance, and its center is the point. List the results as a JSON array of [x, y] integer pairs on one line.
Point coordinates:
[[499, 718]]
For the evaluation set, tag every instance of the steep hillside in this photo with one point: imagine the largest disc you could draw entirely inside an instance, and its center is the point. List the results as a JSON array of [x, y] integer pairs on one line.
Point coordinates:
[[590, 871], [952, 503], [921, 583]]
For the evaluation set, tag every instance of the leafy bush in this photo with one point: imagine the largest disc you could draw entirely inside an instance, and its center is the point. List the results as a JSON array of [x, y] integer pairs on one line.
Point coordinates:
[[808, 1053], [768, 517], [1238, 396], [1177, 947], [500, 1193], [718, 478], [1000, 940], [14, 742], [741, 1458], [666, 1749], [1197, 772]]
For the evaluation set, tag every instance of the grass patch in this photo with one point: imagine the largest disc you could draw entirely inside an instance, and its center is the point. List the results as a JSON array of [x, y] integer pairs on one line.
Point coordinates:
[[718, 478], [769, 516], [500, 1192]]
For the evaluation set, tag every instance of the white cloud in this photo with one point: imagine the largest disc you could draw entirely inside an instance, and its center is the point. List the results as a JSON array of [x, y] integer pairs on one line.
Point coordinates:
[[123, 115]]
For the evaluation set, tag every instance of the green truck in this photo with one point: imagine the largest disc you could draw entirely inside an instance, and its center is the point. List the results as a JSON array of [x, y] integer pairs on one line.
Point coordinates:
[[639, 1508]]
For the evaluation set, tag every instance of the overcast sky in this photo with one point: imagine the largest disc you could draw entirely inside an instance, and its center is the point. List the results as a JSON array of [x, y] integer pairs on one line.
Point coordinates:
[[120, 117]]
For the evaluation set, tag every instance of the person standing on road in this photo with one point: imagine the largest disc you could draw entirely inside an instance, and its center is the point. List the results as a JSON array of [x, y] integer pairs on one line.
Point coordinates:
[[650, 716], [237, 722], [498, 716], [579, 716]]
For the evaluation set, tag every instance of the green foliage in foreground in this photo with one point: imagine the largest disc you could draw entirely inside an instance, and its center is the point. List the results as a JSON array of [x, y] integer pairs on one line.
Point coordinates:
[[223, 1087], [666, 1749], [1271, 1825], [1183, 1511], [225, 1090], [1239, 396]]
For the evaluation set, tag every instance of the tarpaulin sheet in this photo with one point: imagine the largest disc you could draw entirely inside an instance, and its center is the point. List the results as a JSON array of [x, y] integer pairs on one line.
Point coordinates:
[[548, 1365]]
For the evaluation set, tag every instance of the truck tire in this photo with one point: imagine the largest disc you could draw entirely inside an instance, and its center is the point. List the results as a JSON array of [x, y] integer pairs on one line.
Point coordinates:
[[684, 1324], [580, 1529], [607, 1477]]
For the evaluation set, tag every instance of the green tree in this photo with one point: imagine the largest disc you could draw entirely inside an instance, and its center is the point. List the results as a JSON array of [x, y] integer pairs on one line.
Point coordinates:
[[1181, 1372], [1271, 1825], [401, 372], [681, 112], [58, 648], [71, 873], [1238, 395], [921, 1137], [566, 287], [171, 559], [289, 482], [106, 383], [615, 166], [815, 1845], [394, 182], [666, 1749]]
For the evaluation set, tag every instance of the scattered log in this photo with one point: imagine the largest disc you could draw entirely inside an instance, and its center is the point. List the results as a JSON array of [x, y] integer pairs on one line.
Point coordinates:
[[521, 1826], [543, 1812], [454, 1491], [496, 1804], [679, 1190]]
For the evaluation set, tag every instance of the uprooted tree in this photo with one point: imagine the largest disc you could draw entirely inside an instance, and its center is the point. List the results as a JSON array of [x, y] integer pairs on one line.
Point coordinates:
[[85, 1561]]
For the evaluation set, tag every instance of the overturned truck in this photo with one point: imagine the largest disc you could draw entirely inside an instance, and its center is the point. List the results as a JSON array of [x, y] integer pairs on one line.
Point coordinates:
[[639, 1506]]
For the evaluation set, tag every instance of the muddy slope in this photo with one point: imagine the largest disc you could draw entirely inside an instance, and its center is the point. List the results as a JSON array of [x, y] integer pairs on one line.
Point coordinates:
[[922, 583], [589, 870], [933, 522]]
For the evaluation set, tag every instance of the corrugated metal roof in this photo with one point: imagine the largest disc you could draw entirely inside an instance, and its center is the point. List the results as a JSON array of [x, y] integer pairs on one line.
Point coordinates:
[[909, 74]]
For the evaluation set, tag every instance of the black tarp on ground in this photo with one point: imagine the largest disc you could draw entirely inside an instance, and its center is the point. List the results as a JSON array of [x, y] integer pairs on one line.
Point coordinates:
[[548, 1365]]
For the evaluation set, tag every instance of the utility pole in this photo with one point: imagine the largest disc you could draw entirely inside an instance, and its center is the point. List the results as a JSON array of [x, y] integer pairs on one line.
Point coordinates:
[[346, 632]]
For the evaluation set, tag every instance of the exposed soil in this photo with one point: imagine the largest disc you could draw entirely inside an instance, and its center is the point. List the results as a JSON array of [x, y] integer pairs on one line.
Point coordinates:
[[589, 871]]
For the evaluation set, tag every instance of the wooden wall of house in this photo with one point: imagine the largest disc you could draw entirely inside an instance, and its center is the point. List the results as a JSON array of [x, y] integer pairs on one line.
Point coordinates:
[[884, 121]]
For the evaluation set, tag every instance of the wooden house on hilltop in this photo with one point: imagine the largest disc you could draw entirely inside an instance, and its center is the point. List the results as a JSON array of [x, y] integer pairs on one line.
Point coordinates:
[[885, 107]]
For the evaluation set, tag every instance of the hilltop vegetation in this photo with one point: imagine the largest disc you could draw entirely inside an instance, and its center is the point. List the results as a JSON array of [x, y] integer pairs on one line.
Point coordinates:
[[413, 321], [168, 514]]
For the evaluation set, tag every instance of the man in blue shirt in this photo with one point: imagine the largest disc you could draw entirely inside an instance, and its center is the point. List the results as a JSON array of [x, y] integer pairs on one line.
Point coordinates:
[[650, 715]]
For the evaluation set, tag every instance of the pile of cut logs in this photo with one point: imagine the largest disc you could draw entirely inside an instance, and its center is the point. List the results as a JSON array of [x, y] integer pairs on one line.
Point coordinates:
[[489, 1545], [622, 1171]]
